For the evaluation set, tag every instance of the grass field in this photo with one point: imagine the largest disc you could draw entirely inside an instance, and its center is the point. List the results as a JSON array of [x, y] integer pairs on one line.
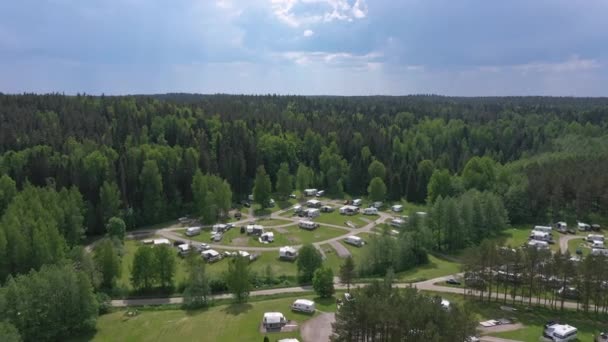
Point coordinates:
[[272, 222], [574, 244], [340, 220], [436, 267], [259, 266], [235, 322]]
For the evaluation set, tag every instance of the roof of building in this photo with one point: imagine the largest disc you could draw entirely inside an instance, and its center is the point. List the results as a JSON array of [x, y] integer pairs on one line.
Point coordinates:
[[562, 329], [287, 249], [273, 317], [306, 302]]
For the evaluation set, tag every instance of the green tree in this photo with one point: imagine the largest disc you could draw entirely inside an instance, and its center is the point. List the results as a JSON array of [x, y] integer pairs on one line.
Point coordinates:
[[309, 259], [238, 278], [8, 190], [262, 187], [165, 265], [107, 261], [376, 189], [8, 332], [283, 185], [116, 228], [376, 169], [440, 184], [323, 282], [109, 200], [196, 292], [143, 270], [199, 191], [151, 183], [479, 173], [304, 177], [347, 272]]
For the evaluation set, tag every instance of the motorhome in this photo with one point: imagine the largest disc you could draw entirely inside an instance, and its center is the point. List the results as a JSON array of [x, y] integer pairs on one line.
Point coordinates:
[[274, 320], [288, 253], [267, 237], [308, 225], [583, 227], [595, 237], [561, 227], [397, 208], [320, 193], [313, 212], [538, 244], [544, 229], [219, 228], [303, 305], [596, 244], [158, 242], [183, 249], [540, 236], [310, 192], [349, 210], [297, 208], [599, 251], [354, 240], [370, 211], [397, 222], [217, 236], [244, 254], [445, 304], [357, 202], [327, 209], [560, 332], [313, 203], [192, 231], [378, 204], [255, 229], [211, 255]]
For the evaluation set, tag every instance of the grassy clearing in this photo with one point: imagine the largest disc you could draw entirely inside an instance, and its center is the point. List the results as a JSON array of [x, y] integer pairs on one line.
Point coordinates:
[[272, 222], [259, 266], [340, 220], [436, 267], [235, 322], [574, 244]]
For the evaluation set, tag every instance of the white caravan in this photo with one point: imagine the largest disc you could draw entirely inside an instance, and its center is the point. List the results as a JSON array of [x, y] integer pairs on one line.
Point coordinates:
[[192, 231], [303, 305]]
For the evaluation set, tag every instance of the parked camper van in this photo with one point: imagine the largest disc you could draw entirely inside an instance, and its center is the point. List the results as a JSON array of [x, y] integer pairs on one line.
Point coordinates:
[[308, 225], [357, 202], [584, 227], [538, 244], [370, 211], [310, 192], [313, 212], [544, 229], [354, 240], [183, 249], [597, 244], [211, 255], [595, 237], [303, 305], [540, 236], [313, 203], [255, 229], [561, 227], [327, 209], [267, 237], [560, 332], [599, 251], [288, 253], [320, 193], [192, 231], [397, 208], [397, 222], [349, 210]]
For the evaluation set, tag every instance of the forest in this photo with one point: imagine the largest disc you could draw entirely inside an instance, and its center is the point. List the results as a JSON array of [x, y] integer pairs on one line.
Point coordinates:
[[77, 167]]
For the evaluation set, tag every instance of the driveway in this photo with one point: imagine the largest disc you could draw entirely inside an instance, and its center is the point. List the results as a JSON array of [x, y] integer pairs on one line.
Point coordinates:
[[341, 251], [564, 239], [318, 329]]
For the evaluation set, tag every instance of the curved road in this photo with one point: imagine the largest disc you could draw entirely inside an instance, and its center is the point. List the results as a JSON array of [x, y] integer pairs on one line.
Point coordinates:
[[564, 239]]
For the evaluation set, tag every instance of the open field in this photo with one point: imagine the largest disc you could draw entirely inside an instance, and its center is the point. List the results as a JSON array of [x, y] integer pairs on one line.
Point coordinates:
[[259, 266], [436, 267], [576, 243], [272, 222], [340, 220], [235, 322]]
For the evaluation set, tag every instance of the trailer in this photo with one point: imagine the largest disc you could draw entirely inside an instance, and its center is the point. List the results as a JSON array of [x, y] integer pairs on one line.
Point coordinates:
[[303, 305], [192, 231], [354, 240], [370, 211], [288, 253], [310, 225]]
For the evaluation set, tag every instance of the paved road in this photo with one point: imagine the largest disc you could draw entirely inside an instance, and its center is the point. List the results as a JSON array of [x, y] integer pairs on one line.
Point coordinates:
[[564, 239]]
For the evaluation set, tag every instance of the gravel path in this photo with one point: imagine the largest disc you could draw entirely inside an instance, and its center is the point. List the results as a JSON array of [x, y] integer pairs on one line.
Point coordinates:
[[341, 251], [318, 329], [500, 328], [564, 239]]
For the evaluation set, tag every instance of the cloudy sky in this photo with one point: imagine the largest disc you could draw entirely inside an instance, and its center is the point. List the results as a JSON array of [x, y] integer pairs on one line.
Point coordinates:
[[340, 47]]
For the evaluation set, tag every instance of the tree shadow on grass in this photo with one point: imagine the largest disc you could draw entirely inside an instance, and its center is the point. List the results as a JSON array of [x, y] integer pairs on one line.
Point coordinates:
[[237, 309]]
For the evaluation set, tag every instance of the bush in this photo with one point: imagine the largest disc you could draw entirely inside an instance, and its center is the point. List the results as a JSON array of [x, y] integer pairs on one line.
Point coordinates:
[[218, 285]]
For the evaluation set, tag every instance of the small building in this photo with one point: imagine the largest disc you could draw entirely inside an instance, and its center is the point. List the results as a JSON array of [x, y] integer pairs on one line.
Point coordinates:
[[254, 229], [192, 231], [267, 237], [560, 332], [349, 210], [397, 208], [354, 240], [310, 225], [211, 255], [183, 249], [303, 305], [327, 209], [158, 242], [357, 202], [398, 222], [274, 320], [310, 192], [370, 211], [288, 253], [378, 204], [313, 203], [312, 212]]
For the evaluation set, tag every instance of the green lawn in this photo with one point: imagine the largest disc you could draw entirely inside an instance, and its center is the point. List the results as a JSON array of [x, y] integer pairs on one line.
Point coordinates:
[[574, 244], [332, 260], [235, 322], [436, 267], [340, 220], [272, 222], [279, 267]]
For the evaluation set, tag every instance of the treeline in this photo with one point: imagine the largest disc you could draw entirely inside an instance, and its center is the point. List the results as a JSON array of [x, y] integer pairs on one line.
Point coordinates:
[[383, 313], [119, 144], [537, 277]]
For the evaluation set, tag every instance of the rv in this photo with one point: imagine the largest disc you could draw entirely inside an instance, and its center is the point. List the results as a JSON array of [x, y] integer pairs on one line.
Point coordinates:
[[583, 227], [378, 204], [250, 197], [560, 332], [308, 225], [313, 203], [595, 227], [349, 210], [211, 255], [244, 254], [158, 242], [370, 211], [540, 236], [397, 208], [538, 244], [596, 244], [327, 209], [219, 228], [354, 240], [297, 208], [544, 229], [310, 192], [274, 321], [595, 237], [313, 212], [255, 229], [599, 251], [357, 202], [303, 305], [183, 249], [267, 237], [217, 236], [561, 227], [288, 253], [397, 222], [320, 193], [192, 231]]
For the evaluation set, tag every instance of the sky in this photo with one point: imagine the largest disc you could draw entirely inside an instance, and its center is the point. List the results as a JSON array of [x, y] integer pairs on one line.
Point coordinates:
[[305, 47]]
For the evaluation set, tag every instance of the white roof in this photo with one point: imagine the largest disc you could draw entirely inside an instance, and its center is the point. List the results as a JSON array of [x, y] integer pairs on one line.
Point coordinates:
[[297, 206], [562, 223], [537, 243], [539, 233], [581, 224], [543, 227], [347, 207], [273, 317], [193, 228], [243, 254], [306, 302], [162, 242], [210, 252], [357, 200], [312, 210], [353, 237], [421, 213], [310, 190], [445, 303], [184, 247], [288, 340], [219, 225], [562, 329], [271, 234], [313, 201], [306, 222], [397, 206], [398, 220], [287, 249], [255, 226], [371, 208]]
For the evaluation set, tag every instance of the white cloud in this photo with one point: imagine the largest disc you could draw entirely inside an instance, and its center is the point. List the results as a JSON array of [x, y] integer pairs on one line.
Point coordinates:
[[368, 61], [308, 33], [324, 10], [572, 64]]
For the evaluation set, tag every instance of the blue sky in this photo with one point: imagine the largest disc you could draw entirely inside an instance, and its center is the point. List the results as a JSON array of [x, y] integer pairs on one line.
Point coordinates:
[[340, 47]]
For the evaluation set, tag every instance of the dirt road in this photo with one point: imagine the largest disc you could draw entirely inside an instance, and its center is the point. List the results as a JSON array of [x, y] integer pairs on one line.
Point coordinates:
[[318, 329]]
